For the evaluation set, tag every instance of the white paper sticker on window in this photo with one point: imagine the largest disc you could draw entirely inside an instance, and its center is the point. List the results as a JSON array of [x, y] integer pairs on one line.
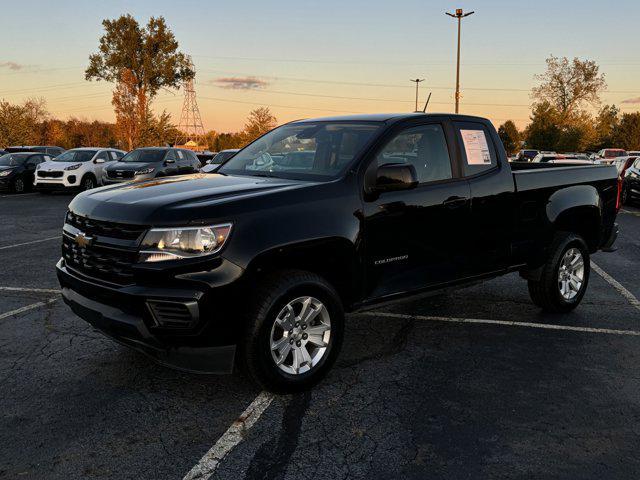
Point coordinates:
[[180, 154], [476, 147]]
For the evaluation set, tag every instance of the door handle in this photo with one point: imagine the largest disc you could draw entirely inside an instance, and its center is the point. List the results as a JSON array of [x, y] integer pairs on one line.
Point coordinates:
[[455, 202]]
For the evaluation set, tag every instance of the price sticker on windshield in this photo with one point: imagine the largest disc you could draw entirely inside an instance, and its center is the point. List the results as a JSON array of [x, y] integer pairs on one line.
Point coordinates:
[[476, 147]]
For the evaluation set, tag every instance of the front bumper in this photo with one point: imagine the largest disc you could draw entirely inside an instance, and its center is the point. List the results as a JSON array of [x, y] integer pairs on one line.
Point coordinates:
[[69, 180], [124, 314]]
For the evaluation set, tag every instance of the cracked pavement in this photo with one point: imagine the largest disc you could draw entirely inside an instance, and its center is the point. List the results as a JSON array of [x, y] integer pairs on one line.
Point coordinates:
[[408, 398]]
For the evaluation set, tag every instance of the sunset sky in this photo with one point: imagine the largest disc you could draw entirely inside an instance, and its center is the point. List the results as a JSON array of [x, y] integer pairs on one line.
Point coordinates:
[[318, 58]]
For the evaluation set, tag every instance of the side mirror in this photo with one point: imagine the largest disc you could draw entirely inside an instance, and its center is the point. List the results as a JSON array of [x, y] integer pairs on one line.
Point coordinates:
[[392, 177], [169, 160], [98, 160]]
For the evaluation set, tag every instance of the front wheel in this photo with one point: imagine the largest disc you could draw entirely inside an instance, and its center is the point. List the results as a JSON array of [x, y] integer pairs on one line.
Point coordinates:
[[18, 185], [564, 277], [88, 183], [294, 331]]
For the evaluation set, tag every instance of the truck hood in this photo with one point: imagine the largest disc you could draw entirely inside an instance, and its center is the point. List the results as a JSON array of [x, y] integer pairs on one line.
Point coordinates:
[[177, 200], [128, 166]]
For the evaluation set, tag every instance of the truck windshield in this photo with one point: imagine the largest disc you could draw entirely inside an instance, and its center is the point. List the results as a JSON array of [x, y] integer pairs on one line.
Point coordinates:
[[303, 151], [75, 156], [144, 155]]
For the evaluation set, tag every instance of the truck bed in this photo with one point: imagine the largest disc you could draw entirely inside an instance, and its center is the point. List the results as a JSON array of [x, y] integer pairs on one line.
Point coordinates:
[[531, 176]]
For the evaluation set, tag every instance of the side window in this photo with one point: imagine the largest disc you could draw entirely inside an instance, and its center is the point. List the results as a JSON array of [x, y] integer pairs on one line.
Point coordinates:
[[113, 155], [35, 160], [180, 154], [170, 155], [424, 147], [104, 156], [476, 145]]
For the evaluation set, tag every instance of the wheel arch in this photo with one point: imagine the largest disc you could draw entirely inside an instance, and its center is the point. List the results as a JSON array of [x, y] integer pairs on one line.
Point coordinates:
[[334, 259], [577, 209]]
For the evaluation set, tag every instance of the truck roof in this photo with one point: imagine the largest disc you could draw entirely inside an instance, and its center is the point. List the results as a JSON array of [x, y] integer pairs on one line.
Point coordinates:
[[386, 117]]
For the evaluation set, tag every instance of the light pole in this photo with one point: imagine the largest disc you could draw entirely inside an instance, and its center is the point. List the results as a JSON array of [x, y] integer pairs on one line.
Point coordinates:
[[417, 81], [459, 15]]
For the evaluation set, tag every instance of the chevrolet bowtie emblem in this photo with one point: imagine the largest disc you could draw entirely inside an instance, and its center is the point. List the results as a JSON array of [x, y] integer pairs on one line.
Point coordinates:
[[82, 240]]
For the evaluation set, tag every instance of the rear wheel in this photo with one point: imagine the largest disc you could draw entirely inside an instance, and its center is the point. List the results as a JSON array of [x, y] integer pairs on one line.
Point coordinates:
[[565, 275], [294, 331]]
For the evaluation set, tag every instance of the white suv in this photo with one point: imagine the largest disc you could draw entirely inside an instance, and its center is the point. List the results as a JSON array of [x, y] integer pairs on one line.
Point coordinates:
[[76, 168]]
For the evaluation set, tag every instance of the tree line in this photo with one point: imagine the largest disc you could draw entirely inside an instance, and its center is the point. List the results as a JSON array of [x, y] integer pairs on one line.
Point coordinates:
[[561, 119], [29, 123]]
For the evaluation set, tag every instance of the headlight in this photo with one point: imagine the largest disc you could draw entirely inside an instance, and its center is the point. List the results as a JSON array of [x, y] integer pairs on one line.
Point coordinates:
[[145, 171], [160, 244], [73, 167], [5, 173]]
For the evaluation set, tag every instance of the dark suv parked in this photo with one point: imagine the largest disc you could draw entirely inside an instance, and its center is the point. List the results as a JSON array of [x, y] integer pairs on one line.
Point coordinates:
[[50, 150], [17, 170], [151, 162]]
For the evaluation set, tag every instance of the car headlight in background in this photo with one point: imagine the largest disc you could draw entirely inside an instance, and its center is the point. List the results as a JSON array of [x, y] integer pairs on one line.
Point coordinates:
[[5, 173], [145, 171], [161, 244], [73, 167]]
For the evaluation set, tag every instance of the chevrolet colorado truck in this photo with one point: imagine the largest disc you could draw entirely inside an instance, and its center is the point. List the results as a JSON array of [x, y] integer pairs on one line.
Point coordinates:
[[258, 263]]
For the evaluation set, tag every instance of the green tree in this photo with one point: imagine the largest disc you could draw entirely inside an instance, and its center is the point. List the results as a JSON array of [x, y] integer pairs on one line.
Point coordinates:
[[259, 122], [510, 136], [141, 61], [605, 125], [627, 133], [569, 85], [543, 132]]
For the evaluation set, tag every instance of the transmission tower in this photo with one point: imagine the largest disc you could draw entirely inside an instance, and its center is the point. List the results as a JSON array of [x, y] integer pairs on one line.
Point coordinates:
[[191, 131]]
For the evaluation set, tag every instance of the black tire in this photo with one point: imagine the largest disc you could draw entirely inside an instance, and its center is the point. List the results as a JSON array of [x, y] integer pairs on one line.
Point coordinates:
[[88, 182], [19, 185], [276, 291], [545, 291]]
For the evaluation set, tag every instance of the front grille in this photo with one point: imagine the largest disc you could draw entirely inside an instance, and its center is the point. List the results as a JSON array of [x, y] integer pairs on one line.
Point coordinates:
[[118, 174], [106, 264], [173, 314], [98, 228], [43, 174]]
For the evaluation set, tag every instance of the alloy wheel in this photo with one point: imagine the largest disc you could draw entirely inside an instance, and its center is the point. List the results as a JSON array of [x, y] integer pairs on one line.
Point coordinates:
[[571, 274], [300, 335], [19, 185]]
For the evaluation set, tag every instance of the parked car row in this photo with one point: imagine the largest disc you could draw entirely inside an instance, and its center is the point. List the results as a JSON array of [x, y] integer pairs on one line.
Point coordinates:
[[47, 169]]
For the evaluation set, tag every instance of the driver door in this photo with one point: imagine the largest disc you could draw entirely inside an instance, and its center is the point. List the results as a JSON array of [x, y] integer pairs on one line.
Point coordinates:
[[414, 238]]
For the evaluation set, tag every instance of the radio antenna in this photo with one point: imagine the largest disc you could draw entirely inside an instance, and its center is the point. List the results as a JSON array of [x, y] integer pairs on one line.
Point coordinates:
[[427, 103]]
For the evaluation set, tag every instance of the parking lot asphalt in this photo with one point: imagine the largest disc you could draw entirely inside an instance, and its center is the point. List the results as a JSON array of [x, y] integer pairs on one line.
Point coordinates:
[[445, 387]]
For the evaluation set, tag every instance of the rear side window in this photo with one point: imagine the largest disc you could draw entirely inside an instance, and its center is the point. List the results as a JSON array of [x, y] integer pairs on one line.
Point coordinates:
[[424, 147], [476, 145]]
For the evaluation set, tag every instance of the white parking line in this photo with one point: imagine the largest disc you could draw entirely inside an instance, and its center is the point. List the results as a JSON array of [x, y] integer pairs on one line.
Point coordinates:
[[617, 285], [34, 290], [507, 323], [232, 437], [20, 310], [30, 243]]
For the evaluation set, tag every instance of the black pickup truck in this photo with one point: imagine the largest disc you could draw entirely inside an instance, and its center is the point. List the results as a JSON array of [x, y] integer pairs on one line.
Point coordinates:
[[258, 263]]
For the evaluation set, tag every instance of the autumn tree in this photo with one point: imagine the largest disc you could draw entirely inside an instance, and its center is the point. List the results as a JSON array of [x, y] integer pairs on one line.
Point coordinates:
[[508, 133], [259, 122], [20, 124], [141, 61], [605, 125], [569, 85]]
